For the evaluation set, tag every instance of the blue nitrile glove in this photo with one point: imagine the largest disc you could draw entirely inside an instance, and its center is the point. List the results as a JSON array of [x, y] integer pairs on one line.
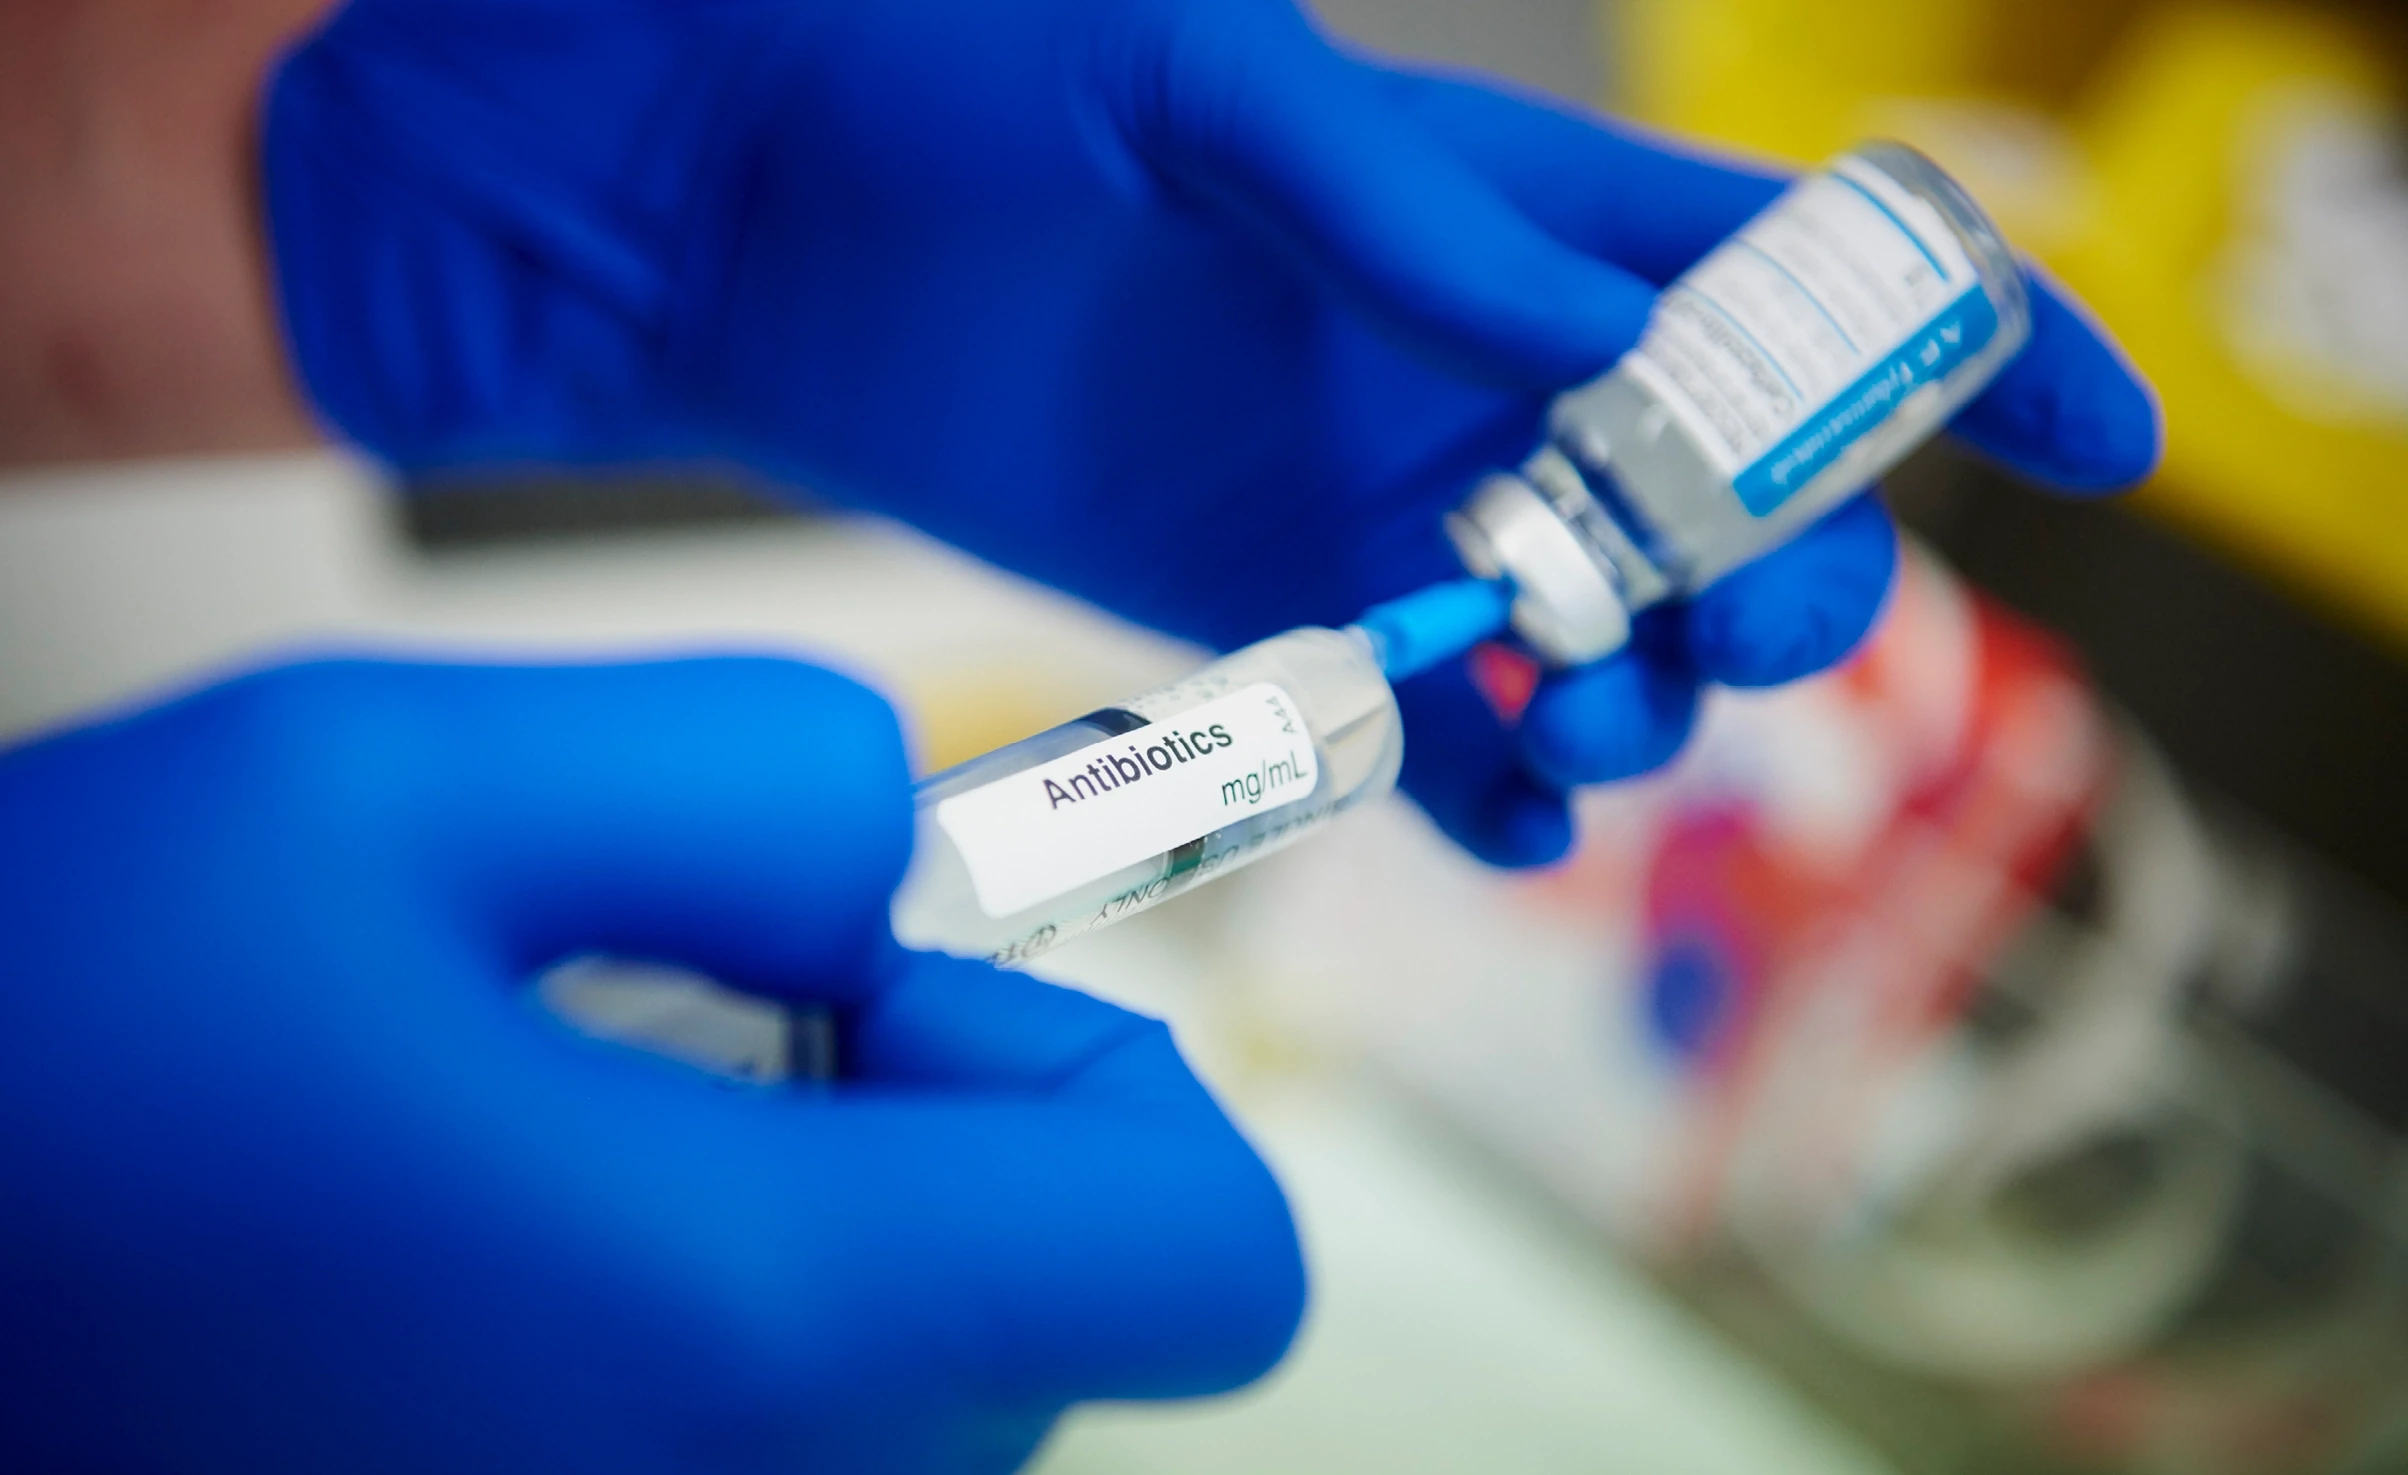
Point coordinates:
[[1164, 302], [295, 1177]]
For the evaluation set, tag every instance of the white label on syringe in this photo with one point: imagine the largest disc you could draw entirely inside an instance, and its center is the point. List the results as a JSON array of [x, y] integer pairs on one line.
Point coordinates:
[[1803, 331], [1055, 827]]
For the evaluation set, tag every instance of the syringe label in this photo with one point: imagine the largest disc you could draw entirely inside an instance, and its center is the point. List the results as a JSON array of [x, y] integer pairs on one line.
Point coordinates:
[[1790, 340], [1057, 826]]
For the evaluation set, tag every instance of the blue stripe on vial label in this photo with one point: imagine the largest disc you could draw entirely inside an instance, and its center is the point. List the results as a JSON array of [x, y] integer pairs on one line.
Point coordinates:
[[1960, 330]]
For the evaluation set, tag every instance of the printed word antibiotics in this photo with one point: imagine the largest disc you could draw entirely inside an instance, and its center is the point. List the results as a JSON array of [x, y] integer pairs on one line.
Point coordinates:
[[1113, 770]]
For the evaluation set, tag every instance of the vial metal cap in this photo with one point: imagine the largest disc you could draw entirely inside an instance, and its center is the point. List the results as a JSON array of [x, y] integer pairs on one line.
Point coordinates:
[[1567, 601]]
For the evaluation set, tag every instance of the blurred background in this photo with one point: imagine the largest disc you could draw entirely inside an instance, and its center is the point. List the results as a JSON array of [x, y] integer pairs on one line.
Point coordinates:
[[1991, 1056]]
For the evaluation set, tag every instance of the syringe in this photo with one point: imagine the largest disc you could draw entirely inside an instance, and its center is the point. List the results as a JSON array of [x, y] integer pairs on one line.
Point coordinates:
[[1778, 376], [1098, 819]]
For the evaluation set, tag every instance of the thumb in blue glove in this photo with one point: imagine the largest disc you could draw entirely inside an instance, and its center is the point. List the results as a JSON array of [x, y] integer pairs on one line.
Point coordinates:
[[295, 1169], [1167, 303]]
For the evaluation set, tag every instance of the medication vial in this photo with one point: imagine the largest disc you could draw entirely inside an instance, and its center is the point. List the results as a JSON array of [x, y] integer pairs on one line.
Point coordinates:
[[1780, 375]]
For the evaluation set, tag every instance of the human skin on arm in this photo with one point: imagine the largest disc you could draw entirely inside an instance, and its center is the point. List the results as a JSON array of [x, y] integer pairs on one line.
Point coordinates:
[[136, 314]]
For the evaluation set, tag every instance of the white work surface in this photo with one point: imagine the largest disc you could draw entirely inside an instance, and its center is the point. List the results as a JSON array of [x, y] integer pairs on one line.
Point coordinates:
[[1459, 1322]]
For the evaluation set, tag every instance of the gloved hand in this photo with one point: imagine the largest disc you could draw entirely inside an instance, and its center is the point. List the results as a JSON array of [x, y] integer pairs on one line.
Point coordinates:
[[295, 1177], [1164, 302]]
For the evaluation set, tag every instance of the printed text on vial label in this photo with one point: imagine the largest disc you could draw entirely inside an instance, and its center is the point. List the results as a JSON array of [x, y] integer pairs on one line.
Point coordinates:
[[1791, 341], [1050, 829]]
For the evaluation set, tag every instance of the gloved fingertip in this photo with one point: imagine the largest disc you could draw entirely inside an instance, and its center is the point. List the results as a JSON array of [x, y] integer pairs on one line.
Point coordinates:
[[1617, 719], [2110, 438], [1462, 766], [1504, 817], [1742, 648], [947, 1021], [1800, 608], [2071, 410], [1529, 828]]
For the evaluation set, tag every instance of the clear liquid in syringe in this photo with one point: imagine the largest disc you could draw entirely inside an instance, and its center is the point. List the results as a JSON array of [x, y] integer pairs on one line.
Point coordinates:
[[1024, 848]]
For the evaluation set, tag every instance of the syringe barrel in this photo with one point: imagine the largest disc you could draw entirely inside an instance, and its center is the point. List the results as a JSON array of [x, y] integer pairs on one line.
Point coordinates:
[[1024, 848]]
